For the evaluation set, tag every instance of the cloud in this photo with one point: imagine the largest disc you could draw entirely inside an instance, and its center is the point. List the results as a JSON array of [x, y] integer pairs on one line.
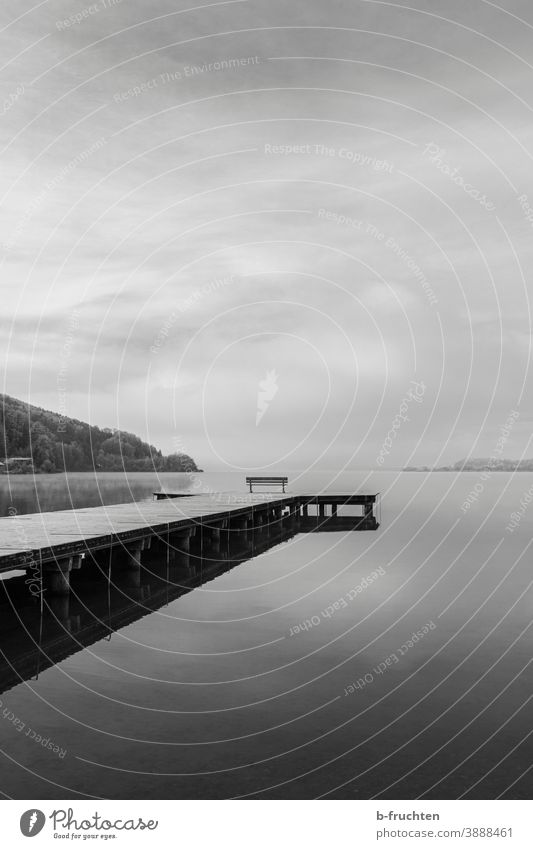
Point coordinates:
[[153, 152]]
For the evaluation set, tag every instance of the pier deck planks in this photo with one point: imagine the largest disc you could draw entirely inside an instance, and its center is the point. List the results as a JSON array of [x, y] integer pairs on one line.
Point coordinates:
[[46, 536], [63, 532]]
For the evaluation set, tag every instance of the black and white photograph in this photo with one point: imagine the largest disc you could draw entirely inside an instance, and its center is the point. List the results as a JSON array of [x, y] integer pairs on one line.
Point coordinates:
[[266, 421]]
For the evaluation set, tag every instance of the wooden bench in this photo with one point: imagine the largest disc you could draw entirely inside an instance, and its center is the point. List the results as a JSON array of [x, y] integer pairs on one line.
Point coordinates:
[[267, 482]]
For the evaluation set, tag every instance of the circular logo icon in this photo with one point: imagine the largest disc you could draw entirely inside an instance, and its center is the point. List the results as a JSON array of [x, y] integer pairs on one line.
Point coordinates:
[[32, 822]]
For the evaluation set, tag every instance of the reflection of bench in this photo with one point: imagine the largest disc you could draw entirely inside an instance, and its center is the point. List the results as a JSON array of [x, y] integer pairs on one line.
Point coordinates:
[[267, 482]]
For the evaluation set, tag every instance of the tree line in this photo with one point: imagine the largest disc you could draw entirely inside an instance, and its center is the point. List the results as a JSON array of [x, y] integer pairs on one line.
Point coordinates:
[[57, 443]]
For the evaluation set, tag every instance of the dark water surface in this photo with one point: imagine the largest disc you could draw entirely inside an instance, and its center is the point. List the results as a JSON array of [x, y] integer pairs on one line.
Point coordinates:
[[287, 668]]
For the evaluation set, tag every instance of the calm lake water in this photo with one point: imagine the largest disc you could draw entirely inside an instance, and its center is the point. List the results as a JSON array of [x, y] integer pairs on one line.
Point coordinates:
[[287, 669]]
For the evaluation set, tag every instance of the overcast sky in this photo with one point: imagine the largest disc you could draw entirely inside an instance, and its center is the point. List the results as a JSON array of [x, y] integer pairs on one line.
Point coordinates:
[[246, 229]]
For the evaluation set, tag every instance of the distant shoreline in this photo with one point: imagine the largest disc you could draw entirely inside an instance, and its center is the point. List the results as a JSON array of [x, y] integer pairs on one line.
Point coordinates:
[[477, 466], [98, 472]]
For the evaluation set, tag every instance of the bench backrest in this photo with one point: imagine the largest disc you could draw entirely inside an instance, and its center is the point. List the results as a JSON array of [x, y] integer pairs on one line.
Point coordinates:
[[266, 480]]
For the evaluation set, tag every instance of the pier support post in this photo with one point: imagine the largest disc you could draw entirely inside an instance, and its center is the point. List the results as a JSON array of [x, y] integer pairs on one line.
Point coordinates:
[[180, 546], [181, 540], [132, 574], [58, 576], [59, 605], [180, 565], [132, 555], [224, 537], [288, 517], [77, 560], [333, 509], [369, 513], [276, 514], [261, 522], [213, 539], [240, 528]]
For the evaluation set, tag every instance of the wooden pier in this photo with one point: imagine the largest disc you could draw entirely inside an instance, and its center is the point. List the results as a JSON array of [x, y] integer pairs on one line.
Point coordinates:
[[48, 546]]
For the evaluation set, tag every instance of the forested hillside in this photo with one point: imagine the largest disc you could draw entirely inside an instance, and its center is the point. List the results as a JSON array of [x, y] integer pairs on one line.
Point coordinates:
[[56, 443]]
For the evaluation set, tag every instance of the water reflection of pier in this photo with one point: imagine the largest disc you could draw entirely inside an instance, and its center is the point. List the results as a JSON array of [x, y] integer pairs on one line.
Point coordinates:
[[37, 632]]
